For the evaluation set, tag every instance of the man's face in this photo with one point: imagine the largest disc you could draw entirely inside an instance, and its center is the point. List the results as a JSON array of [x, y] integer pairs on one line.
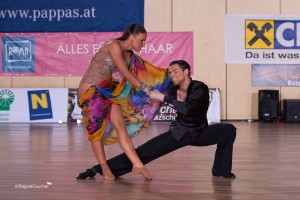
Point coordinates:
[[176, 74]]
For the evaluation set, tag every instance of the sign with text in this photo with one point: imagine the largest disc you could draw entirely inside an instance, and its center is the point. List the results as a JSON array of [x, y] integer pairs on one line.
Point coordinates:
[[69, 16], [33, 105], [262, 40], [275, 75], [69, 54], [18, 54], [165, 113], [60, 105]]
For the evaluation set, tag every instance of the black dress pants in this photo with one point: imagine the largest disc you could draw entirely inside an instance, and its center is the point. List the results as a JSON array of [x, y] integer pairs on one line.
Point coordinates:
[[221, 134]]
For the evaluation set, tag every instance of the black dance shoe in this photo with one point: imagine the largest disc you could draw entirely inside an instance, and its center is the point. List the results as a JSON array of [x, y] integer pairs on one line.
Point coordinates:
[[89, 173], [230, 175]]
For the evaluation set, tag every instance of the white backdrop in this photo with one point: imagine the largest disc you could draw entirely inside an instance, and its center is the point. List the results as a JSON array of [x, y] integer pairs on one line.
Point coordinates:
[[33, 105], [60, 105], [262, 39]]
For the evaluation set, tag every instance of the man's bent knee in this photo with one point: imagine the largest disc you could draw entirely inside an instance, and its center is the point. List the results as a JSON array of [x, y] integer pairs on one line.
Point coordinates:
[[231, 131]]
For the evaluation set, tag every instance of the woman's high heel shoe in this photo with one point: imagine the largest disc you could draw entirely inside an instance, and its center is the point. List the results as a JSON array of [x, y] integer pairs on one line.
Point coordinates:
[[107, 174], [143, 171]]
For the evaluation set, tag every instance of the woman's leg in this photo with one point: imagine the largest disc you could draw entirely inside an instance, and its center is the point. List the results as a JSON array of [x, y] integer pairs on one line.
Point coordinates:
[[90, 104], [98, 150], [126, 144]]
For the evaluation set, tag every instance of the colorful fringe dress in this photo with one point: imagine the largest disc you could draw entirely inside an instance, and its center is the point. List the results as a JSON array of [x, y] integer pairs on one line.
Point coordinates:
[[137, 110]]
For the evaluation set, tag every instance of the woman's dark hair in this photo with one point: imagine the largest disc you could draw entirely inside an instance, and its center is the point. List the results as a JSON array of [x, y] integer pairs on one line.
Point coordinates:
[[133, 29], [182, 64]]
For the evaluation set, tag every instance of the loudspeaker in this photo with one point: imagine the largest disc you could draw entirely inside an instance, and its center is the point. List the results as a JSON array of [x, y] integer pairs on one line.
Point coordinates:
[[268, 105], [291, 110]]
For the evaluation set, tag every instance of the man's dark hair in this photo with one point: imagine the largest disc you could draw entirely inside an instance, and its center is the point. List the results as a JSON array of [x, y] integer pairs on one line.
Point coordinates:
[[182, 64], [133, 29]]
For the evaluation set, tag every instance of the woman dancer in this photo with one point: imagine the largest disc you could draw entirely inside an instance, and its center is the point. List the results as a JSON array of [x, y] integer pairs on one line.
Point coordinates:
[[112, 96]]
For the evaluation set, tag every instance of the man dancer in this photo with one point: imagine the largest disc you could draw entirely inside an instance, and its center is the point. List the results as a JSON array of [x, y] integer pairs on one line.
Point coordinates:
[[190, 98]]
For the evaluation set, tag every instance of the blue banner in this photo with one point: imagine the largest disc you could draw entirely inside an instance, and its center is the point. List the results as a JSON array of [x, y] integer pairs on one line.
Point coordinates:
[[69, 16], [18, 54], [39, 104]]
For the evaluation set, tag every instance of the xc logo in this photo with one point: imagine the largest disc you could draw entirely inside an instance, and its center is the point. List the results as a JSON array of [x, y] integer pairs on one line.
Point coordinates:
[[259, 34]]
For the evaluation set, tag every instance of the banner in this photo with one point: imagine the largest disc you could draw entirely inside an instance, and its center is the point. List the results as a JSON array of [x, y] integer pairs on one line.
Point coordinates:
[[275, 75], [262, 39], [165, 112], [60, 105], [69, 16], [74, 112], [214, 109], [33, 105], [69, 54]]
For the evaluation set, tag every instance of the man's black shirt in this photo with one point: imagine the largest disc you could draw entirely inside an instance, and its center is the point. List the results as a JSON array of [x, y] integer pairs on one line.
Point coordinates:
[[191, 114]]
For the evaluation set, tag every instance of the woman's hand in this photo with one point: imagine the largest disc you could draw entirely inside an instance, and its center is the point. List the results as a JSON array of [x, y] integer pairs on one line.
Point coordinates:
[[116, 76], [155, 94]]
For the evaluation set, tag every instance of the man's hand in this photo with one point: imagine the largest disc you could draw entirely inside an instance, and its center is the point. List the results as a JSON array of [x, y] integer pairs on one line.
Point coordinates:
[[155, 94]]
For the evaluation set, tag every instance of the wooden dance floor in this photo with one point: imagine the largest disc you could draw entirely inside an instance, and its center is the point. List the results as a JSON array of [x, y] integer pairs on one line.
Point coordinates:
[[40, 161]]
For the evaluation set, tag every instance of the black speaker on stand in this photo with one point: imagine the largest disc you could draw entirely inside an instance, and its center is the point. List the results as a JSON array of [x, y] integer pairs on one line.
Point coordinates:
[[268, 105], [291, 110]]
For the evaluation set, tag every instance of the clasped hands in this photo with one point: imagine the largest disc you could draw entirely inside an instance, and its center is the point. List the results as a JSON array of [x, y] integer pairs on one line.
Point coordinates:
[[116, 76], [152, 94], [155, 94]]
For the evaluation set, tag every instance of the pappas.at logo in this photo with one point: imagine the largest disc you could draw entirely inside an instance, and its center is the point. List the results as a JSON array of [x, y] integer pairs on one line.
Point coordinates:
[[6, 99], [259, 34], [272, 34]]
